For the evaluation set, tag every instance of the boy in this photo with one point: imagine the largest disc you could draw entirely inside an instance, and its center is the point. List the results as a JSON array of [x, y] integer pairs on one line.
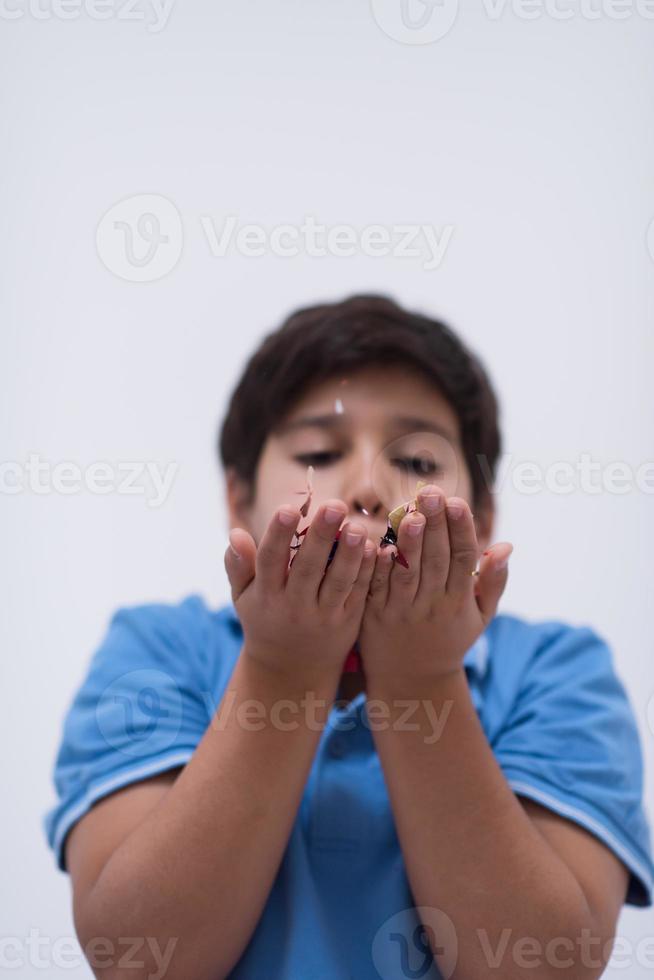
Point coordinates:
[[233, 797]]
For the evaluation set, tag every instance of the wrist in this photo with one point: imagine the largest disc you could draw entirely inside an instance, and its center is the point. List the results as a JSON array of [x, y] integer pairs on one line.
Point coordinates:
[[269, 671], [395, 684]]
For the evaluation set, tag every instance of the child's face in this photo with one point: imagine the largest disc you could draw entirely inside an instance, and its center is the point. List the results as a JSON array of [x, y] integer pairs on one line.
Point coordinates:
[[361, 452]]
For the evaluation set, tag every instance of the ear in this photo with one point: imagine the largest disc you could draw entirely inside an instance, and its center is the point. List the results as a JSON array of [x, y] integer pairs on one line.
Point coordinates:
[[239, 499]]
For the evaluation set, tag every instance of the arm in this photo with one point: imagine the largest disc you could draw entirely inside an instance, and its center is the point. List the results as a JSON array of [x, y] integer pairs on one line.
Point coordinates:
[[198, 867], [513, 885], [187, 866], [518, 883]]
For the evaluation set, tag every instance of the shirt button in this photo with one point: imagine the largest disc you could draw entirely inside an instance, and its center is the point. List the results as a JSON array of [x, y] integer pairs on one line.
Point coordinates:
[[337, 747]]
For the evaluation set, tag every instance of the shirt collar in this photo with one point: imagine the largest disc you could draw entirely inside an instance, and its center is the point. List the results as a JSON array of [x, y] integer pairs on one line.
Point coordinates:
[[475, 660]]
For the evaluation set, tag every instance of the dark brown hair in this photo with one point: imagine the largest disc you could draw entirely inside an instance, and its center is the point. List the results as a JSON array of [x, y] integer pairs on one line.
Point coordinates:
[[319, 342]]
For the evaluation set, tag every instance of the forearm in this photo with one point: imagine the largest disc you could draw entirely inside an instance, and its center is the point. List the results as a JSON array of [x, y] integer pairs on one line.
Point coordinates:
[[200, 867], [470, 850]]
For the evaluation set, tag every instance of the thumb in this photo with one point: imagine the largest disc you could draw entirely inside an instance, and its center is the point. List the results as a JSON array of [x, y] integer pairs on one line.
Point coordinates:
[[240, 558], [492, 579]]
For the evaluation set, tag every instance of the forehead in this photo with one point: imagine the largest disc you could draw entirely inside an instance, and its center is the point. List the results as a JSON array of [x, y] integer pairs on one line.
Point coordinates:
[[375, 396]]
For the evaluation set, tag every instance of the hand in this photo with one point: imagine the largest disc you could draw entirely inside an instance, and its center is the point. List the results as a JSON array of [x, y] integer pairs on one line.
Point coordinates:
[[420, 621], [304, 620]]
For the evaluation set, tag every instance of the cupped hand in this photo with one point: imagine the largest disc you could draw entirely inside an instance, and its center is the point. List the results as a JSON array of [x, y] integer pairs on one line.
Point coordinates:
[[303, 620], [420, 621]]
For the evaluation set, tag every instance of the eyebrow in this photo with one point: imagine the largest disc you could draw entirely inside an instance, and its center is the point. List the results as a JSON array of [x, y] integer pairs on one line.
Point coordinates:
[[409, 423]]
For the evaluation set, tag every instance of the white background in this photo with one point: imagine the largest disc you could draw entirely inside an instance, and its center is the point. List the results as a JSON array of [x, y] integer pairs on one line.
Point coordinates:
[[532, 138]]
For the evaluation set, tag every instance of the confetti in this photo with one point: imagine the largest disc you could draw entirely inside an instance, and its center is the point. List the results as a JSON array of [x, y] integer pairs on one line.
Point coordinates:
[[394, 518], [304, 509], [353, 662]]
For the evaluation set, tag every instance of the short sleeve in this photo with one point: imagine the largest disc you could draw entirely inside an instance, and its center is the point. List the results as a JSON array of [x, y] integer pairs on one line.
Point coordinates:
[[570, 742], [138, 712]]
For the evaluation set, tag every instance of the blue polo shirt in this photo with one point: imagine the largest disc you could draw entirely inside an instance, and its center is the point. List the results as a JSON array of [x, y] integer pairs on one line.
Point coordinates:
[[552, 707]]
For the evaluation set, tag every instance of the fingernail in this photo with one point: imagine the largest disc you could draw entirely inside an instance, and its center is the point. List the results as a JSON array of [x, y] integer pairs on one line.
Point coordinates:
[[353, 537], [233, 549], [287, 518], [432, 503], [455, 509], [502, 563], [415, 527], [333, 515]]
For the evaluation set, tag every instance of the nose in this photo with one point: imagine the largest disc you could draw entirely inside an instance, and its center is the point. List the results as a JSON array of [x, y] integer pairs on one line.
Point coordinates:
[[365, 503], [364, 498], [367, 508]]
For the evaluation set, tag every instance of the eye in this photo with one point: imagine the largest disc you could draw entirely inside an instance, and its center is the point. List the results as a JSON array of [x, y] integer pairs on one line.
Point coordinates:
[[316, 459], [417, 465]]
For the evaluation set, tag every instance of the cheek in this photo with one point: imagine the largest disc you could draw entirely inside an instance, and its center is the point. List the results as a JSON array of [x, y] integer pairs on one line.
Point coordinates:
[[279, 483], [462, 484], [277, 480], [452, 482]]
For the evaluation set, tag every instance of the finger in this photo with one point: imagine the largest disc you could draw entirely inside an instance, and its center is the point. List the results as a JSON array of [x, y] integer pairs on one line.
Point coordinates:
[[379, 582], [357, 596], [343, 569], [463, 548], [310, 560], [274, 548], [405, 581], [493, 576], [436, 543], [240, 560]]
